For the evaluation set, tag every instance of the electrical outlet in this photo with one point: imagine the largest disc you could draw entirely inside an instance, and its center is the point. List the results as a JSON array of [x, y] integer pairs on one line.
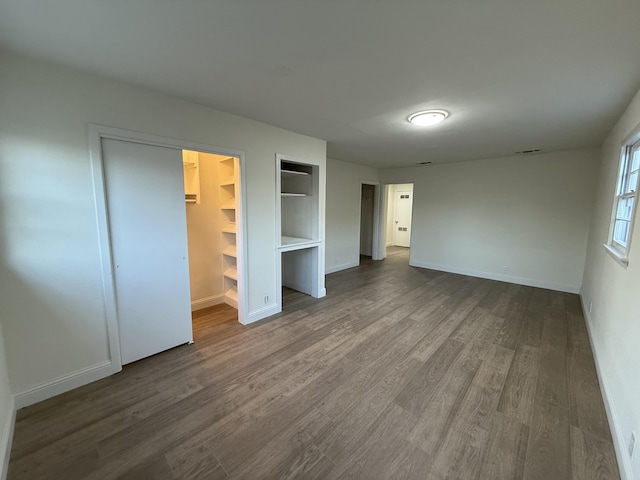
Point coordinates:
[[590, 306], [266, 299], [632, 444]]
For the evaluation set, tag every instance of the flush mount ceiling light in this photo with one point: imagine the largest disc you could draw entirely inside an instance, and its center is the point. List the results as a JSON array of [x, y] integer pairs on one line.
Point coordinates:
[[428, 117]]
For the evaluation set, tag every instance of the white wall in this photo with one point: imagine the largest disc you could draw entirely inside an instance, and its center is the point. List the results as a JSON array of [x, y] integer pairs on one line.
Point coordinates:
[[343, 213], [52, 300], [614, 320], [205, 237], [530, 214]]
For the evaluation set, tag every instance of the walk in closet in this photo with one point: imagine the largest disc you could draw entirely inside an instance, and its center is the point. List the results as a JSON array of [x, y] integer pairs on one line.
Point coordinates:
[[212, 193], [300, 246]]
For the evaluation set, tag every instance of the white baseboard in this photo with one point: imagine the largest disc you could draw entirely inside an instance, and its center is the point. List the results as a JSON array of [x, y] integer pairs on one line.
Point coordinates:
[[63, 384], [619, 443], [343, 266], [500, 277], [262, 313], [7, 437], [322, 293], [207, 302], [389, 244]]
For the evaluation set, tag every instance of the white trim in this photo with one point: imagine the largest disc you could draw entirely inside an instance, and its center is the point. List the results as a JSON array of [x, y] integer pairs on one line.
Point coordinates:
[[262, 313], [617, 256], [7, 437], [207, 302], [343, 266], [619, 444], [64, 384], [500, 277], [96, 133]]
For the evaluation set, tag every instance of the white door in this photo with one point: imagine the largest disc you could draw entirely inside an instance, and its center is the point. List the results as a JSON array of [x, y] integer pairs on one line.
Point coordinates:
[[147, 225], [402, 218]]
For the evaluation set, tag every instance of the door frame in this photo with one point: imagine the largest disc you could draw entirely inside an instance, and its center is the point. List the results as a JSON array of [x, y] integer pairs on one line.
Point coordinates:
[[96, 133], [376, 253]]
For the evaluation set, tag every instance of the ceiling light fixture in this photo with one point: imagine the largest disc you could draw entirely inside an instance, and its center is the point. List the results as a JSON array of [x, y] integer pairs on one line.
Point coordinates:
[[428, 117]]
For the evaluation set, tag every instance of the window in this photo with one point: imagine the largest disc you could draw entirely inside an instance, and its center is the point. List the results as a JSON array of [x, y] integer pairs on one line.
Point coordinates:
[[625, 203]]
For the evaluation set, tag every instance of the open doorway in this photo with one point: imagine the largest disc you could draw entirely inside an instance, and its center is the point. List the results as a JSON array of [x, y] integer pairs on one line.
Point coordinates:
[[371, 241], [399, 215], [211, 186], [367, 205]]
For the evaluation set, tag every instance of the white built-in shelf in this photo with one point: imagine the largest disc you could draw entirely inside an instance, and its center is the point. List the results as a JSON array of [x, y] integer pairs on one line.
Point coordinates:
[[232, 293], [229, 205], [188, 199], [230, 251], [294, 194], [232, 273], [230, 228], [286, 173], [296, 243], [227, 182]]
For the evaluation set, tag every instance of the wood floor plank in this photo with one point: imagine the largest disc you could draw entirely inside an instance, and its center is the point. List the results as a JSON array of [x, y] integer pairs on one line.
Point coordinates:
[[353, 422], [291, 450], [504, 456], [399, 372], [384, 453], [549, 446], [592, 458], [514, 315], [415, 396], [534, 318], [587, 409], [442, 408], [519, 390]]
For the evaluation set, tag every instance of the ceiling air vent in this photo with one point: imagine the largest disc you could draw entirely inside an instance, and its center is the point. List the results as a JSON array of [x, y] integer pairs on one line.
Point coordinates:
[[528, 152], [423, 163]]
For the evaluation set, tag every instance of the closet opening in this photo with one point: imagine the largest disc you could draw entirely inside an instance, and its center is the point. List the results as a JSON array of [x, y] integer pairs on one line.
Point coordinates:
[[399, 210], [212, 193]]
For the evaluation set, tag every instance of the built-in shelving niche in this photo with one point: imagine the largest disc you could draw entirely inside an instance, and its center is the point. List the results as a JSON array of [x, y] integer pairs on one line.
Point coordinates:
[[298, 221]]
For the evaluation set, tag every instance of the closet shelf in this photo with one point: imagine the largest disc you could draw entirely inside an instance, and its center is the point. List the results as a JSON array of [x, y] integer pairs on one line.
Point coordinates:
[[232, 294], [296, 243], [228, 182], [294, 194], [293, 173], [229, 205], [231, 228], [231, 273], [230, 251]]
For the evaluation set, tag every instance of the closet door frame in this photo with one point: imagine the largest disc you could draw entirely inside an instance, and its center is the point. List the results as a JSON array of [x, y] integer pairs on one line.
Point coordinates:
[[96, 134]]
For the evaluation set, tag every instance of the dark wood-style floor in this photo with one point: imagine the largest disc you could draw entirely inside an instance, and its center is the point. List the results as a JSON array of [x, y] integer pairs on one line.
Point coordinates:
[[398, 373]]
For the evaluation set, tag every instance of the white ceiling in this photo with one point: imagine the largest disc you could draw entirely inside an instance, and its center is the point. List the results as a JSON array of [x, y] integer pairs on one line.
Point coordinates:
[[514, 74]]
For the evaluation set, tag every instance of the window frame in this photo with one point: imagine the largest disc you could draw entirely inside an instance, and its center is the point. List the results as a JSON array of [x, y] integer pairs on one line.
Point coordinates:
[[619, 251]]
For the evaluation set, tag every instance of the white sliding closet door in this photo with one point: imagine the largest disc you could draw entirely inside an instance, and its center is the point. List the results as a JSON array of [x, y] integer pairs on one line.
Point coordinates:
[[147, 224]]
